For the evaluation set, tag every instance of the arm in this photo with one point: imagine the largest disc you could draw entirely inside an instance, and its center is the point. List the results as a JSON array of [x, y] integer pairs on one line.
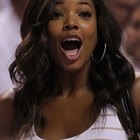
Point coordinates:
[[6, 113]]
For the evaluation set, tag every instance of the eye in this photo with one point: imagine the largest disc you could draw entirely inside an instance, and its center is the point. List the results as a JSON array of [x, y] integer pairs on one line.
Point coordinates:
[[57, 15], [85, 15]]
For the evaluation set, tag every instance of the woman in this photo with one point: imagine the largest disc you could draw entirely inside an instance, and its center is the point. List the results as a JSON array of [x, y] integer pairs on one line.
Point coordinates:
[[71, 77]]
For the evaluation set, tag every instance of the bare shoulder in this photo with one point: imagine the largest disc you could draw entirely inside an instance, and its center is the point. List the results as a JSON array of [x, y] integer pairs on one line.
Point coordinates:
[[136, 94], [136, 88], [6, 99], [6, 111], [9, 94]]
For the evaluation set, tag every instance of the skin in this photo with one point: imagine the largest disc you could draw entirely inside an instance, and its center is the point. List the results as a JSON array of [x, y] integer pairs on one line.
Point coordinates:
[[82, 26], [76, 98], [86, 29], [131, 44], [70, 113], [6, 113], [136, 95], [121, 9]]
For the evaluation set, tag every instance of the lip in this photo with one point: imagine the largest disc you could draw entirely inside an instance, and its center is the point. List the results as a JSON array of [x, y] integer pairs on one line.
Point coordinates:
[[71, 55]]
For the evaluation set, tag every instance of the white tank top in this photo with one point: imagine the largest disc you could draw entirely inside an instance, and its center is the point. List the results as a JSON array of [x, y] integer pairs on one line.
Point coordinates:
[[109, 128]]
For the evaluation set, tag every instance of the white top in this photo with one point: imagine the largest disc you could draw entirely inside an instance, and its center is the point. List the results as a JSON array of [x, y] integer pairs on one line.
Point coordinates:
[[9, 40], [103, 129]]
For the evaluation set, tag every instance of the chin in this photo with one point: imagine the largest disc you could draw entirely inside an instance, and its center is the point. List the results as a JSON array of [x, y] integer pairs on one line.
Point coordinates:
[[76, 67]]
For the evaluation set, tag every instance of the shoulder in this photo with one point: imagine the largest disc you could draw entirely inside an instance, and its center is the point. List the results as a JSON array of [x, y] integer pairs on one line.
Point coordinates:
[[6, 99], [136, 93], [6, 112], [136, 89], [136, 86], [9, 94]]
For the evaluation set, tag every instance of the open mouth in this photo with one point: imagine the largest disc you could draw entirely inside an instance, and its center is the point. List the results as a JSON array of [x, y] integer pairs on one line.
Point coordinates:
[[71, 47], [71, 44]]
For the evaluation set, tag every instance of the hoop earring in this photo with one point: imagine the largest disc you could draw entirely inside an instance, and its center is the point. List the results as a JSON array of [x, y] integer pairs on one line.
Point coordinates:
[[97, 59]]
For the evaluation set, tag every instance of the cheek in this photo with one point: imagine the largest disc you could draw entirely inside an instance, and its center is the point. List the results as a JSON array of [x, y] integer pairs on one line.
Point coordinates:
[[54, 28], [91, 36], [90, 30]]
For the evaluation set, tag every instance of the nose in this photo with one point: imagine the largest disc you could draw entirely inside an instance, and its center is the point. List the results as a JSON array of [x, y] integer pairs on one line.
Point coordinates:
[[70, 24]]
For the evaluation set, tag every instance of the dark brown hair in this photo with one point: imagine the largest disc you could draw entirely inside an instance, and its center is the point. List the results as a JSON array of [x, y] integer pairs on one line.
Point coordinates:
[[33, 73]]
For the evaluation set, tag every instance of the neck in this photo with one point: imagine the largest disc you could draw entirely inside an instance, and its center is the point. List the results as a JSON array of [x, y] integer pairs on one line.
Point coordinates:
[[68, 83]]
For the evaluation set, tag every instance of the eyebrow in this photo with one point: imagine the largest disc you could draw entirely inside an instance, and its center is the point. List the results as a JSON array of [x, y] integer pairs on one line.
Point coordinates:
[[84, 3], [60, 2]]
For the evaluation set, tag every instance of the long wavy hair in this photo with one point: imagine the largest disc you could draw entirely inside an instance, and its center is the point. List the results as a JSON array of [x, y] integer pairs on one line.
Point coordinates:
[[32, 70]]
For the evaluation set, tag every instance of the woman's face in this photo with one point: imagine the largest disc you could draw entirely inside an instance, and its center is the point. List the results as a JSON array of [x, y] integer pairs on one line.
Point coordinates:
[[72, 34]]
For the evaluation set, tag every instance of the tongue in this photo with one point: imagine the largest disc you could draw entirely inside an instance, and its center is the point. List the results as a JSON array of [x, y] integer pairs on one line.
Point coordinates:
[[71, 54], [71, 49]]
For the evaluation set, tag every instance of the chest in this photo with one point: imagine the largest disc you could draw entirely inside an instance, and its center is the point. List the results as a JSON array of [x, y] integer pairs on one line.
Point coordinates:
[[108, 127], [66, 118]]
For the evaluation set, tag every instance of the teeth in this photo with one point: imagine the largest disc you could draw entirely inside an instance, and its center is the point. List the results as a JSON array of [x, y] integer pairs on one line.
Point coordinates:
[[71, 39], [71, 43]]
